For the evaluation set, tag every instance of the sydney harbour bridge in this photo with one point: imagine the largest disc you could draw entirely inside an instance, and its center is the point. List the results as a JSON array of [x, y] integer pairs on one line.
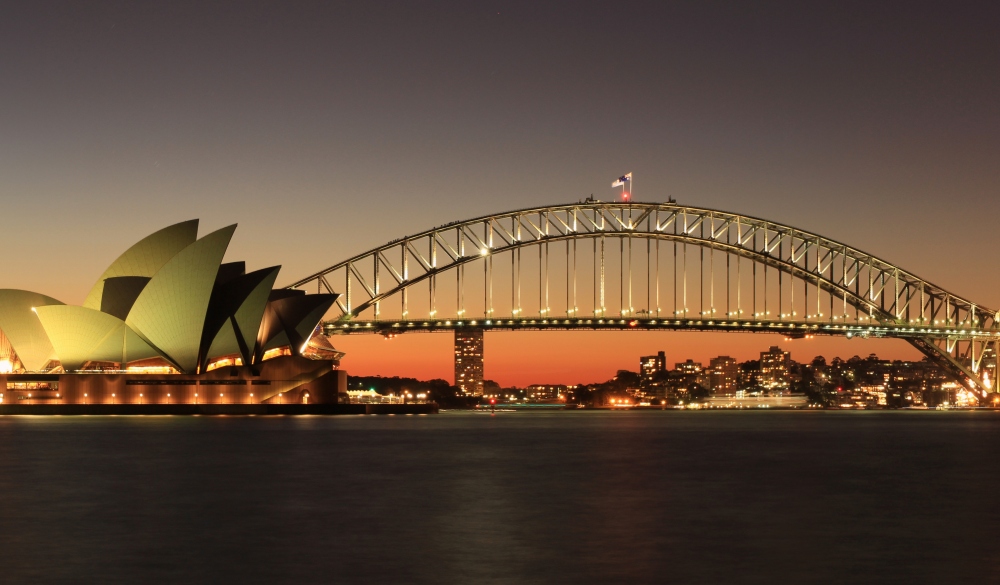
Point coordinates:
[[652, 266]]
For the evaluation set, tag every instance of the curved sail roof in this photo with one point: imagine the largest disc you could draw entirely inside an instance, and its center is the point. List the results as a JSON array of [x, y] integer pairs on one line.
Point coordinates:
[[250, 313], [146, 257], [23, 329], [170, 311], [225, 343], [81, 335], [168, 296], [235, 314], [120, 292], [307, 324], [291, 320]]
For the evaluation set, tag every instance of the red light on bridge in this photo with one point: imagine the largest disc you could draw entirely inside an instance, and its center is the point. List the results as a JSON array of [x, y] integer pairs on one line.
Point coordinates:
[[633, 323]]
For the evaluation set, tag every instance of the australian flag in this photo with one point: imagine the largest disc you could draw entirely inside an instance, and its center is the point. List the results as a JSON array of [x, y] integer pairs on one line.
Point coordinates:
[[622, 180]]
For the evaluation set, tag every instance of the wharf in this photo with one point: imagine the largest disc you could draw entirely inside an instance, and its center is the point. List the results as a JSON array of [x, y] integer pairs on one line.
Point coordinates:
[[213, 409]]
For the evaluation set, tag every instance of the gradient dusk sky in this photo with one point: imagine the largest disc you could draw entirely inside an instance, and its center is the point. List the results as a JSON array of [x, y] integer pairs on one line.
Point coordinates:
[[326, 129]]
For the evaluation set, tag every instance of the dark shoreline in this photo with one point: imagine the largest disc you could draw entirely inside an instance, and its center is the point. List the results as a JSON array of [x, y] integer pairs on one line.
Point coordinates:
[[213, 409]]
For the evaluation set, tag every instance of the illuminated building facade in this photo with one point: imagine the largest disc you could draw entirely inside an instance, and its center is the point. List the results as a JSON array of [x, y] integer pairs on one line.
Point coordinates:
[[691, 372], [545, 392], [650, 365], [723, 375], [774, 368], [689, 367], [169, 323], [469, 361]]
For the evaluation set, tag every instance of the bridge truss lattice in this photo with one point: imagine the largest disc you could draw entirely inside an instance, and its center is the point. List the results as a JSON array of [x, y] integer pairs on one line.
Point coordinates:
[[600, 265]]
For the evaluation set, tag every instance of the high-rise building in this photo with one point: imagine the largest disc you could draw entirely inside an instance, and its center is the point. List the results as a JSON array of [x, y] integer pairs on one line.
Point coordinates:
[[469, 361], [724, 375], [650, 365], [774, 368]]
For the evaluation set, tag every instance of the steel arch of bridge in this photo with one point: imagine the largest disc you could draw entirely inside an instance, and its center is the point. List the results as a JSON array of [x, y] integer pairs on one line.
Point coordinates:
[[862, 294]]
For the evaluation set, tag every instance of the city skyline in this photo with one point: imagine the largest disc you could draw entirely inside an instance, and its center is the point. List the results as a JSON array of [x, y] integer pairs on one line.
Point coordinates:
[[773, 380], [512, 361]]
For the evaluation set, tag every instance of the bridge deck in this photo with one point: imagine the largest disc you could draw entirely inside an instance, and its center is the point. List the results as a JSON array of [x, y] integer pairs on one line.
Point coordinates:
[[790, 329]]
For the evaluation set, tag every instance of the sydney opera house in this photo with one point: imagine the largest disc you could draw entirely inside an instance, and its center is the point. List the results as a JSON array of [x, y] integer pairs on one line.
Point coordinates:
[[169, 323]]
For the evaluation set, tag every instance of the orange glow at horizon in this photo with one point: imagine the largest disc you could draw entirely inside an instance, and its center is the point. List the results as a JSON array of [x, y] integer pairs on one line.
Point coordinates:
[[520, 358]]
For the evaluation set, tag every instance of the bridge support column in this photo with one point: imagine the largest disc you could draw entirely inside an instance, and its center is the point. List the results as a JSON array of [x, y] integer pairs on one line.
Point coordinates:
[[469, 361]]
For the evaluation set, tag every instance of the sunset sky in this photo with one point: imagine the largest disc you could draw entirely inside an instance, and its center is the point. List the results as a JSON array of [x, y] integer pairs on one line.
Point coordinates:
[[327, 130]]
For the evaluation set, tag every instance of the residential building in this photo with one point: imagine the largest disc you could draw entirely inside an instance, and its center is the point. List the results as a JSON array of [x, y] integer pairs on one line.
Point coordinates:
[[723, 375], [774, 368], [469, 361], [650, 365]]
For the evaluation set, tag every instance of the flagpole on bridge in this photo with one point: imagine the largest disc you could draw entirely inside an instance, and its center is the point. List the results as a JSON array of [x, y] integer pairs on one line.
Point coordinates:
[[626, 178]]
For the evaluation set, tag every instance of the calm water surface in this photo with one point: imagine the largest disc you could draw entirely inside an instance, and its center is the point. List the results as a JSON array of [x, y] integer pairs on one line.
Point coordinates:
[[563, 497]]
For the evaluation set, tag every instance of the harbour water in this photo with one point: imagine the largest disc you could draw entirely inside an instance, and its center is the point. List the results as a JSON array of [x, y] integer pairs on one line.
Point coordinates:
[[522, 497]]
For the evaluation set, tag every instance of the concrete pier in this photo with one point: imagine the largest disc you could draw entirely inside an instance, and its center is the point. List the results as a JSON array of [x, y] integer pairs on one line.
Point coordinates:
[[213, 409]]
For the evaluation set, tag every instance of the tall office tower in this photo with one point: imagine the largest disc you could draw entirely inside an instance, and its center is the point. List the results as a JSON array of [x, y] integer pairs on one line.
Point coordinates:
[[469, 361], [724, 374], [649, 365], [774, 366]]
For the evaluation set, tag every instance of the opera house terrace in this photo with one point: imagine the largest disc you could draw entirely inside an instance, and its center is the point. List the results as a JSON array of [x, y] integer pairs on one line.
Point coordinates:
[[168, 323]]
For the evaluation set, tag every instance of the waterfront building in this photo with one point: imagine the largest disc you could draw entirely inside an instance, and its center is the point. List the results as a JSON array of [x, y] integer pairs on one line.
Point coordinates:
[[774, 368], [742, 399], [723, 375], [469, 361], [545, 392], [169, 323], [650, 365], [864, 396]]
